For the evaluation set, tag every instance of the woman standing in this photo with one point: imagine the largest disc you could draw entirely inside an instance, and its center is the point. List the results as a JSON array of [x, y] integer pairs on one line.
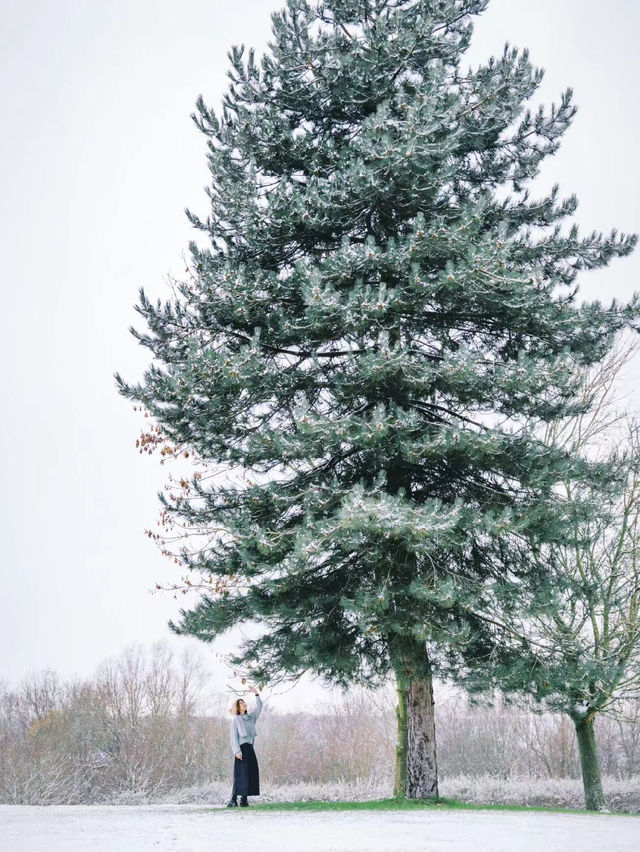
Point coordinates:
[[246, 779]]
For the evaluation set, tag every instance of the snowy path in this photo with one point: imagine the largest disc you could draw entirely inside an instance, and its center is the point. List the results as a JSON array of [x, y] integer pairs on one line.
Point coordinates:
[[192, 828]]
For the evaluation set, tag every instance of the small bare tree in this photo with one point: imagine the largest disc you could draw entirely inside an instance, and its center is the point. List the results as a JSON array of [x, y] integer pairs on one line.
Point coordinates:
[[577, 644]]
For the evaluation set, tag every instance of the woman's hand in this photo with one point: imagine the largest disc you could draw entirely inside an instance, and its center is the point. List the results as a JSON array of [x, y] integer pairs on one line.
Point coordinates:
[[239, 755], [253, 690]]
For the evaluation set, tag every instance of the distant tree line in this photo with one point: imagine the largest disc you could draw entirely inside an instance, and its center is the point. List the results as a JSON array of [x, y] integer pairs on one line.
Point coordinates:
[[145, 725]]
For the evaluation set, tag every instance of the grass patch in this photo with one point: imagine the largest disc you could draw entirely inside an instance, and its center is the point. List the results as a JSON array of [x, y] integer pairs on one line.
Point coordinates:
[[402, 804]]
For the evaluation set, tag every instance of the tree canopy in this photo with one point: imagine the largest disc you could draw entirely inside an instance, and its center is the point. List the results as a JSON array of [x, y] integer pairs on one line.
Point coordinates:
[[380, 320]]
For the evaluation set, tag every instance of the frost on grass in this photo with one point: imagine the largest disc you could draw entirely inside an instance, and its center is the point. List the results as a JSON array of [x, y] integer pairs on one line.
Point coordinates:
[[217, 792], [622, 795]]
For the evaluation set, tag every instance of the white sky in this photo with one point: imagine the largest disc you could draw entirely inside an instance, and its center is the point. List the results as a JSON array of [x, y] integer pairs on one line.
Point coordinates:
[[99, 158]]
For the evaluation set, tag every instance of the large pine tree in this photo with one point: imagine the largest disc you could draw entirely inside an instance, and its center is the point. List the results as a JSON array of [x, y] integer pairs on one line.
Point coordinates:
[[380, 313]]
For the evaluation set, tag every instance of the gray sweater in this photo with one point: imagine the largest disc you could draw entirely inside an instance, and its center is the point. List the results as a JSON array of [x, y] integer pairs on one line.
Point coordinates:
[[243, 727]]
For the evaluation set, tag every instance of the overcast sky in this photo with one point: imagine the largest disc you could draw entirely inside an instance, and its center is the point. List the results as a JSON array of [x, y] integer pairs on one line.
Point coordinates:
[[99, 158]]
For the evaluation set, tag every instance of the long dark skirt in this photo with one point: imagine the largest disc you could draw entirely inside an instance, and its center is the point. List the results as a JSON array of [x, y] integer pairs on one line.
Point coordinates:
[[246, 777]]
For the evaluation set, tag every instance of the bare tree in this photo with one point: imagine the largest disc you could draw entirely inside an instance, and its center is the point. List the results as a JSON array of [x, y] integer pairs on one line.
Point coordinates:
[[582, 631]]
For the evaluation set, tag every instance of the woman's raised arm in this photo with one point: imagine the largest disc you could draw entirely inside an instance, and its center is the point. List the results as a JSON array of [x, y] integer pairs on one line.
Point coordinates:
[[258, 709]]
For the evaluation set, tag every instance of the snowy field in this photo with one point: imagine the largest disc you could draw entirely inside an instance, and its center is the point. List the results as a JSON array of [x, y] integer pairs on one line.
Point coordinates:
[[192, 828]]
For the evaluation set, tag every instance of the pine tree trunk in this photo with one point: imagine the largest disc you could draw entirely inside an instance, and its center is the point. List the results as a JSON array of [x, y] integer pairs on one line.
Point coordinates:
[[416, 765], [422, 767], [593, 793], [400, 783]]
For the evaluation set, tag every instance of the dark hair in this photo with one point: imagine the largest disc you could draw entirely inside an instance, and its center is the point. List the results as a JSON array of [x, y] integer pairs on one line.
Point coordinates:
[[235, 707]]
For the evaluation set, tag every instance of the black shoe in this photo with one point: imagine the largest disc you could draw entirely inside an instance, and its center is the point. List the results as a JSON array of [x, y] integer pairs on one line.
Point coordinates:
[[232, 803], [243, 802]]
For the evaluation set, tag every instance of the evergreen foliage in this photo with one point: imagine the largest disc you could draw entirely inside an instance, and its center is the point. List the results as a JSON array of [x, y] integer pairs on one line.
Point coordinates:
[[380, 320]]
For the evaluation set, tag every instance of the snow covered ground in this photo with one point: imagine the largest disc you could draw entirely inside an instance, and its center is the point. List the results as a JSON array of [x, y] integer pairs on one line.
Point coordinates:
[[193, 828]]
